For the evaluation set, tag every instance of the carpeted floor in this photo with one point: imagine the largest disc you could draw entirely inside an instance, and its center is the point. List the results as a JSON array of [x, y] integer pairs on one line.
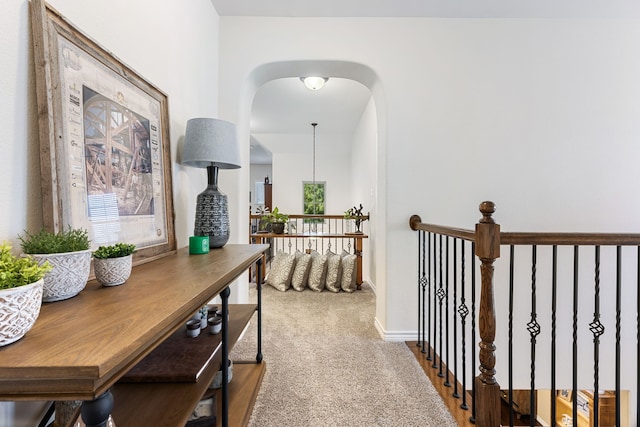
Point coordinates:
[[327, 366]]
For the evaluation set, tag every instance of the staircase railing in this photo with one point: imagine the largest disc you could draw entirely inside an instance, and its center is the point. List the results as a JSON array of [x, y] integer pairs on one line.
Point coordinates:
[[545, 287]]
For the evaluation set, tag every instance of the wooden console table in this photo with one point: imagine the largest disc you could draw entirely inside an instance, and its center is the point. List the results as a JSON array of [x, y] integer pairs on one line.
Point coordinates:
[[357, 246], [79, 348]]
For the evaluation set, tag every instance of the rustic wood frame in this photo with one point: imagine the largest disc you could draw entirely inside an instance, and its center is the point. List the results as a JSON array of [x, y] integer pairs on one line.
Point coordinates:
[[61, 50]]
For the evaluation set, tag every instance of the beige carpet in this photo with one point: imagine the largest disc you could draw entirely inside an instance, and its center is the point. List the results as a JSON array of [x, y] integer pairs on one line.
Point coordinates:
[[327, 366]]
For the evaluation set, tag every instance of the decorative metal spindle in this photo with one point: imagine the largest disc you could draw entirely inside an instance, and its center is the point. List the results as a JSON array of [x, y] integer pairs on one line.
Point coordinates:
[[473, 331], [421, 298], [447, 383], [419, 286], [534, 330], [510, 367], [618, 327], [638, 338], [574, 385], [431, 264], [554, 304], [440, 295], [454, 319], [597, 329], [440, 300], [463, 311]]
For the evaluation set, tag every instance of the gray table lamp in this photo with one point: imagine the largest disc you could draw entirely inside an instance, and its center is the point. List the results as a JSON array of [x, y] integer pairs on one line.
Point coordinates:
[[211, 144]]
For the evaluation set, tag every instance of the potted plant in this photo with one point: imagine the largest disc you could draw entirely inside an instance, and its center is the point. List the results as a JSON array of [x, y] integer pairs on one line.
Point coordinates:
[[20, 294], [356, 214], [112, 263], [276, 220], [68, 253]]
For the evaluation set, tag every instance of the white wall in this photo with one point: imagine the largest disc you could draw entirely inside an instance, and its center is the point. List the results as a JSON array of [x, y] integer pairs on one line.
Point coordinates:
[[363, 168], [540, 116]]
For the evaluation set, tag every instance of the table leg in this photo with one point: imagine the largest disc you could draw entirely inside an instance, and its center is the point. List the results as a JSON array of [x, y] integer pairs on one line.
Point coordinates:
[[95, 413], [259, 292]]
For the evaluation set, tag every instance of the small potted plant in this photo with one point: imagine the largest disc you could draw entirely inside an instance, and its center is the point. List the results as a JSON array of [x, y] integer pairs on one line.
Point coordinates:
[[21, 280], [112, 264], [276, 220], [68, 253], [356, 214]]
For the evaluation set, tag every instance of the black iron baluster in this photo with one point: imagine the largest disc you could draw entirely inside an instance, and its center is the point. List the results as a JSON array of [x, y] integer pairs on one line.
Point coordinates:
[[574, 376], [423, 283], [511, 268], [474, 348], [597, 329], [420, 277], [454, 319], [433, 314], [534, 330], [440, 295], [638, 337], [430, 282], [618, 327], [463, 311], [554, 303], [447, 383]]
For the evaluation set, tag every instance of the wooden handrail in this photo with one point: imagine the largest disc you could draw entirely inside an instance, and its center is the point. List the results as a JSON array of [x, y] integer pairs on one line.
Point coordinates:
[[299, 216], [416, 224], [573, 239]]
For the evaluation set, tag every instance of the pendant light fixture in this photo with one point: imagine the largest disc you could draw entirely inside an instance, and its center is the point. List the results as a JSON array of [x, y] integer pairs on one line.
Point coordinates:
[[314, 168]]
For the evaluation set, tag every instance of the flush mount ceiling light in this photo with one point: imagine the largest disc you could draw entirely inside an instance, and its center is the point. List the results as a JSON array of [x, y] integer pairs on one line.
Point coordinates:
[[314, 83]]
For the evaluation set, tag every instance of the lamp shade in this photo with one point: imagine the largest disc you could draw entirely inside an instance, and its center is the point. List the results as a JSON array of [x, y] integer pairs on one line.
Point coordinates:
[[211, 142]]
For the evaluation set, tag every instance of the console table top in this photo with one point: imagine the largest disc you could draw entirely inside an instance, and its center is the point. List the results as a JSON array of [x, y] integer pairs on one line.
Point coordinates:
[[80, 347]]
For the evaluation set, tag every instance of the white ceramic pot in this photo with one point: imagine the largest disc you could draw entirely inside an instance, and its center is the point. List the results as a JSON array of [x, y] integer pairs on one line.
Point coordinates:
[[68, 276], [217, 379], [112, 271], [19, 309]]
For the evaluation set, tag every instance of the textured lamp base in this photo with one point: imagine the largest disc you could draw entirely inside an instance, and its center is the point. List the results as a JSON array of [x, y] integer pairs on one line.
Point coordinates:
[[212, 216]]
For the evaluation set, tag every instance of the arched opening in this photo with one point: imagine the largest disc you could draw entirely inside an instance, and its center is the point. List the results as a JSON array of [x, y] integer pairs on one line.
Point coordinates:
[[366, 158]]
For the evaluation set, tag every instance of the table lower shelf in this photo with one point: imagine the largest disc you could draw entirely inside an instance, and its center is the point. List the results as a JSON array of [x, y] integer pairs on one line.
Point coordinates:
[[170, 404], [243, 391]]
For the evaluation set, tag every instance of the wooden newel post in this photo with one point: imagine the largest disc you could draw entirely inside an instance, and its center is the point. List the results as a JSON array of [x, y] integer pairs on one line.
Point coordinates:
[[487, 389]]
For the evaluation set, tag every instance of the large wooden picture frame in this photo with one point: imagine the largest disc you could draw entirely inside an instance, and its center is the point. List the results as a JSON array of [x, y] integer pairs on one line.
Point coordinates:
[[104, 142]]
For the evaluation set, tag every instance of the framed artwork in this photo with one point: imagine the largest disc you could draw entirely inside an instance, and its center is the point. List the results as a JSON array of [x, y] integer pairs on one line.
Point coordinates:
[[565, 394], [104, 142]]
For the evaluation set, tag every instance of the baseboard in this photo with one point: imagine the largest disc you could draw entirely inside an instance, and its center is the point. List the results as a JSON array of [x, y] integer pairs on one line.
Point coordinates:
[[395, 336]]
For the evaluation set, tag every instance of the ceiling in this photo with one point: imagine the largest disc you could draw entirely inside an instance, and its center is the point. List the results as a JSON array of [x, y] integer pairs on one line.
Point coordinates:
[[286, 106], [432, 8]]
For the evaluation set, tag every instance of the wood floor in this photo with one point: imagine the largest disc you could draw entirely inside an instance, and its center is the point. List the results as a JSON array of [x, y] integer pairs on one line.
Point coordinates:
[[461, 416]]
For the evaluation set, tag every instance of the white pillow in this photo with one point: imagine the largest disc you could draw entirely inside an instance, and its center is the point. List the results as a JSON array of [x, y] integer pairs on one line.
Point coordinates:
[[334, 271], [318, 271], [349, 272], [281, 270], [301, 271]]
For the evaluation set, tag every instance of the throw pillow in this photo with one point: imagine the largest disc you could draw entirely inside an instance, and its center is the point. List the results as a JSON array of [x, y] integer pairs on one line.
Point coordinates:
[[318, 271], [301, 271], [281, 270], [348, 282], [334, 272]]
